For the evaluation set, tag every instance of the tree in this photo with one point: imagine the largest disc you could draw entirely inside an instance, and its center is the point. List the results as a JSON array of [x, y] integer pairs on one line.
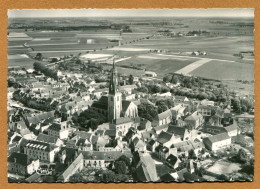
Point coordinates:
[[131, 79], [147, 111], [165, 89], [108, 176], [120, 167], [244, 108], [236, 104], [38, 56], [125, 159], [156, 89], [77, 177], [174, 79], [166, 78], [143, 89], [242, 156]]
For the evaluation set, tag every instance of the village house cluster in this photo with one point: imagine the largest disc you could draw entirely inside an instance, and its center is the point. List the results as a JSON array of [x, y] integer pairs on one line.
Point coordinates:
[[44, 141]]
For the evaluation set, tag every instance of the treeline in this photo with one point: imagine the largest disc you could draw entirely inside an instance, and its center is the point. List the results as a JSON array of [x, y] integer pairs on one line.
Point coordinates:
[[46, 71], [197, 32]]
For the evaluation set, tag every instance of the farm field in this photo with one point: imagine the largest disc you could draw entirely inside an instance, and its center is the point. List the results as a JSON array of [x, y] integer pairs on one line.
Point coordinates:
[[225, 71], [227, 46], [155, 63]]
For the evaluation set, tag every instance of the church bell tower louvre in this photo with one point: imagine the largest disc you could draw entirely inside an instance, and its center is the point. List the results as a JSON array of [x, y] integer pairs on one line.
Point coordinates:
[[114, 97]]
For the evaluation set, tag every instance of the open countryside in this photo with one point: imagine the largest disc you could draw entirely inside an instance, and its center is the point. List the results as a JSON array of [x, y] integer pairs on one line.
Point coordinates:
[[136, 98]]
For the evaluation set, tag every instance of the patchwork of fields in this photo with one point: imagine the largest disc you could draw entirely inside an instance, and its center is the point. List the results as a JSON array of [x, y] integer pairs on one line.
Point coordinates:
[[219, 63]]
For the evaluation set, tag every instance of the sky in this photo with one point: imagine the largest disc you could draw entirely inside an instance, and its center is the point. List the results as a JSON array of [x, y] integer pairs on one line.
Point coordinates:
[[246, 12]]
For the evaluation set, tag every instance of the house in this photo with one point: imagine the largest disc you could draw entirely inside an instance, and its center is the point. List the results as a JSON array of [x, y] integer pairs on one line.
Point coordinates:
[[36, 177], [21, 164], [178, 175], [173, 161], [138, 145], [60, 130], [151, 145], [127, 88], [232, 130], [84, 144], [178, 111], [75, 166], [150, 74], [214, 130], [206, 111], [145, 125], [146, 169], [206, 102], [49, 139], [180, 99], [121, 125], [102, 159], [166, 139], [161, 128], [217, 142], [182, 132], [40, 150], [162, 118], [167, 178], [194, 120]]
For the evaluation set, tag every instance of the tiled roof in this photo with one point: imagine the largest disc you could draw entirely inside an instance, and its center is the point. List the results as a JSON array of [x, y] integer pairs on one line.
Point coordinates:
[[176, 130], [217, 138], [164, 137], [172, 159], [125, 105], [231, 128], [122, 120], [46, 138], [110, 132], [164, 115], [83, 134], [17, 138], [40, 145], [161, 127], [195, 116], [107, 156]]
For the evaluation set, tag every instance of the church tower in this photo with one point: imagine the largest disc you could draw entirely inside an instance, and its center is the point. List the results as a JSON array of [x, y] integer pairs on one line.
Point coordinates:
[[114, 97]]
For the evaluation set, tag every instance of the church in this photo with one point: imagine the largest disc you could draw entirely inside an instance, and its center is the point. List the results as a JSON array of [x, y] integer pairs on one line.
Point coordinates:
[[113, 106]]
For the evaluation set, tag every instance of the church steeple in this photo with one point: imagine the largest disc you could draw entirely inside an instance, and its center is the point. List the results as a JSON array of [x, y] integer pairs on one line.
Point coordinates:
[[113, 85], [114, 97]]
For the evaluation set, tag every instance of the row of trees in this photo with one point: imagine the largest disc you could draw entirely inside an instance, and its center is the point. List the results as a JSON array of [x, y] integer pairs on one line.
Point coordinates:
[[46, 71]]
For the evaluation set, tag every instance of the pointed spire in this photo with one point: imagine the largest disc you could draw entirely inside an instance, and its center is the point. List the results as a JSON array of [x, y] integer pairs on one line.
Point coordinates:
[[113, 63]]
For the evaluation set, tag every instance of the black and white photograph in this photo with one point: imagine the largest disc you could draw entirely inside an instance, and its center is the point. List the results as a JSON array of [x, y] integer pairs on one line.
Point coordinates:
[[130, 95]]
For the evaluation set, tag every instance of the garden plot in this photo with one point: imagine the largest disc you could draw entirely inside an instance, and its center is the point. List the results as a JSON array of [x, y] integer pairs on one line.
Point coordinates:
[[224, 167]]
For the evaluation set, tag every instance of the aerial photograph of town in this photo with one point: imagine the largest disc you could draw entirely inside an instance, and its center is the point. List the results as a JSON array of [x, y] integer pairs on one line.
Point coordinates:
[[130, 95]]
